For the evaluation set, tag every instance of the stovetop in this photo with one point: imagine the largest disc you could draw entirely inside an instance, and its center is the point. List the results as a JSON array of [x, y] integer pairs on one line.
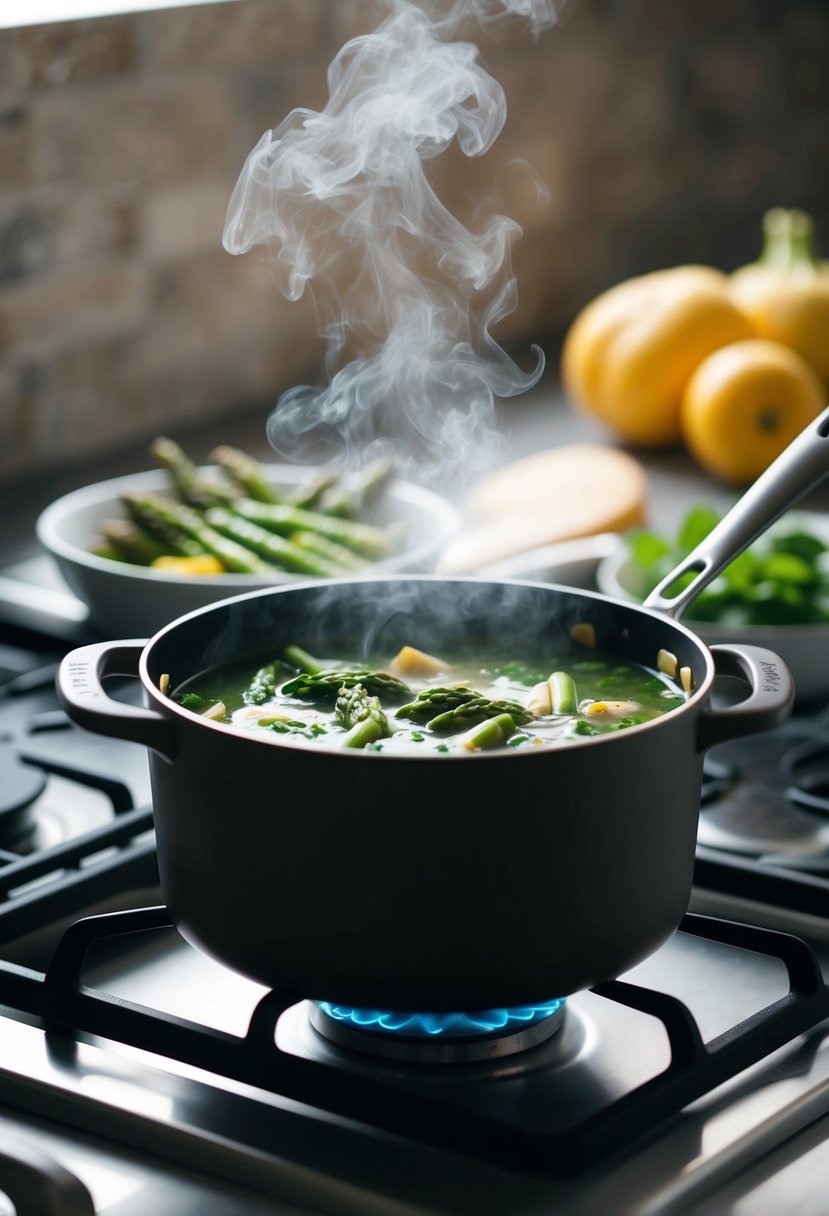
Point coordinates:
[[160, 1081]]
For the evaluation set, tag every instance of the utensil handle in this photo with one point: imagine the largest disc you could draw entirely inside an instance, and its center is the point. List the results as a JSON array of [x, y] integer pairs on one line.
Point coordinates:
[[768, 704], [82, 694], [798, 469]]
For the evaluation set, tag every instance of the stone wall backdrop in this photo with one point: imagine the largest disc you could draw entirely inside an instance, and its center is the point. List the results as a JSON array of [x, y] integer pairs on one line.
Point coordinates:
[[660, 132]]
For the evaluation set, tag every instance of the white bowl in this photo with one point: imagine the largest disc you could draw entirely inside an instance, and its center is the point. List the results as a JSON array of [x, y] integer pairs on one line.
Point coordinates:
[[803, 648], [136, 601]]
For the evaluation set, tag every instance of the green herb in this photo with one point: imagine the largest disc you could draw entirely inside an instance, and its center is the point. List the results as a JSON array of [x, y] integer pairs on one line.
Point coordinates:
[[782, 579]]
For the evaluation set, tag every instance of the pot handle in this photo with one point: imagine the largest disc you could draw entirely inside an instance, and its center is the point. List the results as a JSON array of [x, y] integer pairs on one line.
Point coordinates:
[[768, 704], [81, 693]]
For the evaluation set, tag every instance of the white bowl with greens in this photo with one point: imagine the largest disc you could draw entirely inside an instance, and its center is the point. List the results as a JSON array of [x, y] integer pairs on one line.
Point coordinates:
[[774, 594]]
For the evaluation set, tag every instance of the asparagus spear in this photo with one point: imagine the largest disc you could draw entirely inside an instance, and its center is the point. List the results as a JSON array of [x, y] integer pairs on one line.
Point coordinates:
[[365, 539], [275, 549], [246, 473], [110, 553], [311, 491], [450, 709], [323, 546], [324, 686], [143, 510], [491, 733], [563, 696], [131, 542], [263, 685], [233, 556], [190, 486], [302, 660], [432, 701], [350, 499], [362, 715]]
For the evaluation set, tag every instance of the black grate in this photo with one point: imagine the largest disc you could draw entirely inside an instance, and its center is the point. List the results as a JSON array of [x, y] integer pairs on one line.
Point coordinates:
[[60, 999]]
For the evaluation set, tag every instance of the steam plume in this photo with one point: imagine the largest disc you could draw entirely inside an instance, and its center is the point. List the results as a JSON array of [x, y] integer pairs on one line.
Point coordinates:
[[405, 295]]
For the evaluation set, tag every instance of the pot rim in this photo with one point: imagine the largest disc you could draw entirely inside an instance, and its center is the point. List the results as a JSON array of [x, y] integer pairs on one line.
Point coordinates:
[[169, 706]]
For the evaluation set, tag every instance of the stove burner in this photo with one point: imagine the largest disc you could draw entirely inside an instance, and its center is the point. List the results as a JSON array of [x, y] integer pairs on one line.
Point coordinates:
[[768, 795], [20, 786], [438, 1037]]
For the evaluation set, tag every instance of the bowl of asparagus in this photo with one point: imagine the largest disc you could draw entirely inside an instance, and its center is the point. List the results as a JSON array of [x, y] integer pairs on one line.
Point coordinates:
[[143, 549]]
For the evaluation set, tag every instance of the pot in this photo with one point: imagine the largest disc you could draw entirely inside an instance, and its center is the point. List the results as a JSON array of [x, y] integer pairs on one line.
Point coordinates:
[[435, 882]]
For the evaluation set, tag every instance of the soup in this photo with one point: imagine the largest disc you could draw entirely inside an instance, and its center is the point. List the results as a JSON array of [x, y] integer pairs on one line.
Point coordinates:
[[415, 702]]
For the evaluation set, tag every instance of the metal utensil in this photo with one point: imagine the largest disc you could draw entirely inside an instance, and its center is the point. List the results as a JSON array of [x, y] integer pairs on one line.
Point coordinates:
[[799, 468]]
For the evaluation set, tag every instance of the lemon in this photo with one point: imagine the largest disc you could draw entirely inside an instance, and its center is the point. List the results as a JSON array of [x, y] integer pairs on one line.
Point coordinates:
[[744, 404], [628, 354]]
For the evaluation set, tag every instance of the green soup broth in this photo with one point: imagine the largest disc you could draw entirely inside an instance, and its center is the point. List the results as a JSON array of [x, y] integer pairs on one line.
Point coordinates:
[[463, 704]]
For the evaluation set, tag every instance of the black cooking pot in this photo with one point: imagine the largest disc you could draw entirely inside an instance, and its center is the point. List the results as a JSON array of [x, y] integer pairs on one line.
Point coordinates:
[[429, 882]]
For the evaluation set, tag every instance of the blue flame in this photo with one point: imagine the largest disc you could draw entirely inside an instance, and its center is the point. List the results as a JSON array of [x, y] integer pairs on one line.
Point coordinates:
[[450, 1025]]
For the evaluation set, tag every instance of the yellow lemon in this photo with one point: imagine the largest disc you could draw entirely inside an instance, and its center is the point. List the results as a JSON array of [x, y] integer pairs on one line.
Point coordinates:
[[744, 404], [628, 354]]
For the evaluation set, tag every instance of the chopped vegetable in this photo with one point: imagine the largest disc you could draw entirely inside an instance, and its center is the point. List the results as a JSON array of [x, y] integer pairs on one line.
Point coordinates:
[[324, 686], [263, 685], [584, 634], [413, 662], [611, 711], [667, 662], [453, 709], [362, 715], [563, 696], [302, 660], [540, 700], [201, 563], [491, 733]]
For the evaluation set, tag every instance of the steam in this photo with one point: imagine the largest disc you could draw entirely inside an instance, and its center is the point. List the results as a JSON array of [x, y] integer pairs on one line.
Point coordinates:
[[405, 295]]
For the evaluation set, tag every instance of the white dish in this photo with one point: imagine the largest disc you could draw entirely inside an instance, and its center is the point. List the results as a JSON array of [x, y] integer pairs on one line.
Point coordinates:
[[125, 600]]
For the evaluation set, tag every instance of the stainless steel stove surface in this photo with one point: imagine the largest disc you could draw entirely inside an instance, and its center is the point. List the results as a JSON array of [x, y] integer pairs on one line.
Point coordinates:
[[137, 1076]]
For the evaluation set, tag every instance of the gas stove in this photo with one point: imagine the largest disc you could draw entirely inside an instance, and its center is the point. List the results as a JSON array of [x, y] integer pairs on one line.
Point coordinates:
[[136, 1075]]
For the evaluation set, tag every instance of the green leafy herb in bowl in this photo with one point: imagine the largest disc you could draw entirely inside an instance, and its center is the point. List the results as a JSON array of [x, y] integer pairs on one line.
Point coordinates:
[[774, 594], [782, 579]]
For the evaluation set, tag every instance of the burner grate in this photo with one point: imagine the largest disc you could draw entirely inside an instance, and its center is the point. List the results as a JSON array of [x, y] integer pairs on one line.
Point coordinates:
[[767, 795], [100, 864], [695, 1068]]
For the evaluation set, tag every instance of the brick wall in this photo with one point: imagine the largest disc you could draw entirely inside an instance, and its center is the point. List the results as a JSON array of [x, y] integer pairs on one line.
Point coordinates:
[[661, 131]]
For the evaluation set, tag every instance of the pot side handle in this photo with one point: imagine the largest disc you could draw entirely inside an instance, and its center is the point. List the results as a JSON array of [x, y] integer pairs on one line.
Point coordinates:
[[81, 693], [768, 704]]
